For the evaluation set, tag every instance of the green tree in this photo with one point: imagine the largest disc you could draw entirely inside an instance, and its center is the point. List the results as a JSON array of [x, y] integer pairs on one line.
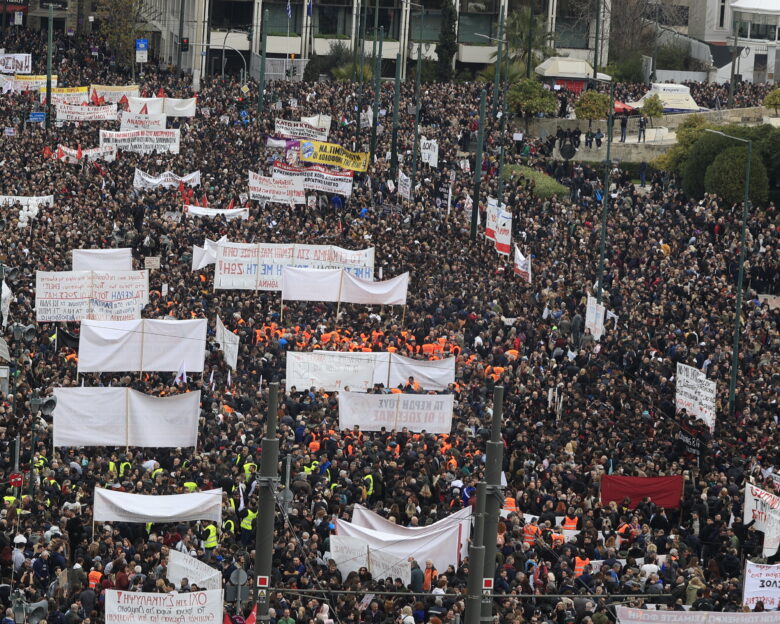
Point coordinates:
[[511, 73], [529, 98], [688, 132], [653, 108], [592, 105], [448, 42], [120, 22], [726, 178], [344, 72], [772, 100], [522, 28], [701, 155]]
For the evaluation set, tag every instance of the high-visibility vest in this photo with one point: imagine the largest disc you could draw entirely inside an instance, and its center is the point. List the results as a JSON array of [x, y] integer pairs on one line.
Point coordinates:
[[94, 578], [156, 472], [229, 526], [570, 524], [123, 467], [211, 540], [579, 565], [369, 479], [557, 539], [191, 486], [112, 467], [246, 523], [249, 468], [510, 504], [529, 533]]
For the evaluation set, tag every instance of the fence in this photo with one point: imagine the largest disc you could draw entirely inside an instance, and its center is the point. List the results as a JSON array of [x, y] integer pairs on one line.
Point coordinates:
[[278, 68]]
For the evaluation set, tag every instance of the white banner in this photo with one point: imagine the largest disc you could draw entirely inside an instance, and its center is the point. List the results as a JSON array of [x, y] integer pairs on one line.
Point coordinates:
[[27, 202], [206, 255], [279, 190], [429, 150], [181, 565], [764, 508], [248, 266], [142, 345], [404, 185], [103, 259], [113, 506], [627, 615], [97, 295], [317, 178], [5, 305], [594, 317], [137, 121], [349, 553], [388, 292], [75, 96], [504, 232], [146, 106], [491, 218], [228, 342], [143, 141], [318, 121], [71, 156], [211, 213], [21, 83], [129, 607], [114, 93], [69, 112], [695, 393], [337, 285], [299, 130], [762, 584], [522, 265], [180, 108], [417, 412], [167, 179], [15, 63], [104, 416]]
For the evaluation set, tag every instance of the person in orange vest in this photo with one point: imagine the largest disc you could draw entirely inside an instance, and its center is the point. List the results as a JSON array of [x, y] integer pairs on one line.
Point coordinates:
[[571, 522], [95, 575], [531, 532], [430, 574], [580, 561]]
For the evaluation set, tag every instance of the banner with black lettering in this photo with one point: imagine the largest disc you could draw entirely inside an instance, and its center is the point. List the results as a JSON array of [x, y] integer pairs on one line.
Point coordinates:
[[417, 412], [317, 178], [279, 190], [299, 130], [137, 121], [143, 141], [69, 112], [130, 607], [15, 63]]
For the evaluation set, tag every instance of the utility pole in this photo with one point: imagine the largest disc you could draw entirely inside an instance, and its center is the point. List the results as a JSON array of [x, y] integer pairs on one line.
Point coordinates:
[[48, 66], [478, 167], [361, 29], [377, 91], [261, 86], [497, 73], [476, 560], [596, 47], [376, 26], [417, 79], [396, 104], [355, 47], [530, 50], [500, 192], [181, 34], [605, 195], [266, 506], [734, 54], [495, 500]]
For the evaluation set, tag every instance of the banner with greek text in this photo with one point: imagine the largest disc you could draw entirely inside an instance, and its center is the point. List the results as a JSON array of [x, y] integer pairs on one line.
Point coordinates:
[[762, 584], [97, 295], [503, 231], [137, 121], [317, 178], [114, 93], [167, 179], [69, 112], [491, 218], [417, 412], [102, 259], [228, 343], [15, 63], [695, 394], [522, 265], [31, 83], [31, 201], [143, 141], [332, 154], [628, 615], [594, 317], [429, 150], [70, 155], [278, 190], [404, 185], [299, 130], [228, 213], [66, 95], [146, 106], [764, 508], [182, 565], [248, 266], [318, 121], [127, 607]]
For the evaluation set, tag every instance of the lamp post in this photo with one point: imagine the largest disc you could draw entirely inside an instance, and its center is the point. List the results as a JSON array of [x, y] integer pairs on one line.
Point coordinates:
[[377, 91], [478, 165], [741, 272], [417, 98], [263, 43], [499, 60], [605, 194], [396, 104]]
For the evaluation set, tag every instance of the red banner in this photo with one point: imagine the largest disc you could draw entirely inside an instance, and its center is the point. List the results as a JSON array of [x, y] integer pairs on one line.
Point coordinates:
[[663, 491]]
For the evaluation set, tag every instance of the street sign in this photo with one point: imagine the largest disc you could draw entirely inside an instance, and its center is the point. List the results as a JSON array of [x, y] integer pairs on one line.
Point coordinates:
[[16, 479], [142, 44], [141, 50], [262, 581], [37, 117], [487, 585]]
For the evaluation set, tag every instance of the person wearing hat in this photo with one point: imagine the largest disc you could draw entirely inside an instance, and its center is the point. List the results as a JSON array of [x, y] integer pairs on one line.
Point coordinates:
[[18, 555]]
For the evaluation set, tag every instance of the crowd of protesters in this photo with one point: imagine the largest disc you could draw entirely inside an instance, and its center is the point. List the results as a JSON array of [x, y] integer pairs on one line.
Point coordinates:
[[575, 408]]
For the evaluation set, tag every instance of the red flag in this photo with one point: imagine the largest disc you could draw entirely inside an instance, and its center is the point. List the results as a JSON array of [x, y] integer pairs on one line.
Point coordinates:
[[183, 191], [99, 168], [161, 92], [47, 152], [194, 201], [205, 201], [231, 204], [101, 101], [95, 98], [79, 153], [124, 102], [144, 110], [189, 195], [144, 93], [252, 617], [663, 491], [226, 619], [60, 153]]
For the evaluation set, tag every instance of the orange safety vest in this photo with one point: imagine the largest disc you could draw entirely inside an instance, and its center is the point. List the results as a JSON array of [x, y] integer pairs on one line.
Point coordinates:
[[529, 533], [510, 504], [570, 524], [94, 578], [557, 539], [579, 565]]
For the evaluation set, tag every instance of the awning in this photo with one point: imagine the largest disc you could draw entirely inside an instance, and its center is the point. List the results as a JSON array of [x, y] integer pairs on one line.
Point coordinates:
[[621, 108], [761, 7], [565, 67]]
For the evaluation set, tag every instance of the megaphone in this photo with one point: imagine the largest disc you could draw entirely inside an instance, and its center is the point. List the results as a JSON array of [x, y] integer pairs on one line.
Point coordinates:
[[37, 611], [48, 405]]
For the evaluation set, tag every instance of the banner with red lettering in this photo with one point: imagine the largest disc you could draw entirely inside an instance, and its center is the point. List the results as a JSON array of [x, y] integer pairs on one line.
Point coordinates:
[[762, 584], [69, 112], [663, 491], [279, 190], [522, 265], [764, 508], [126, 607]]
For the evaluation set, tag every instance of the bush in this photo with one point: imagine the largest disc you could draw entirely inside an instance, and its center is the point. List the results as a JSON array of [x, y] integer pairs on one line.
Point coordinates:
[[628, 69], [592, 105], [772, 99], [544, 186], [726, 176]]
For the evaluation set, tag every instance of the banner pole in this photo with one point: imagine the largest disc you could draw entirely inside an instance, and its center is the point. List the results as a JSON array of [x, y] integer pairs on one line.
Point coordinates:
[[403, 316], [338, 305], [127, 421]]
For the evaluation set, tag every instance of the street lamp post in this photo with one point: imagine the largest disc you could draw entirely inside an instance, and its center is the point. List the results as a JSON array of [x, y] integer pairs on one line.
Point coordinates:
[[497, 73], [605, 193], [417, 79], [478, 166], [741, 272]]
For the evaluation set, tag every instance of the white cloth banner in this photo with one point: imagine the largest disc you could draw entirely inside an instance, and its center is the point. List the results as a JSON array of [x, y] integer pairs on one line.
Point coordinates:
[[429, 150], [418, 412], [317, 178], [105, 416], [358, 371], [182, 565], [228, 342], [503, 232], [404, 185], [299, 130], [103, 259], [388, 292], [337, 285], [167, 179], [492, 213], [211, 213], [695, 393], [318, 121], [174, 107], [279, 190], [206, 255], [522, 265], [75, 96], [71, 156], [142, 345], [145, 106], [764, 508], [113, 506], [594, 317], [5, 303], [27, 202], [349, 553], [68, 112], [143, 141], [762, 584], [20, 83], [627, 615], [129, 607], [15, 63], [138, 121], [248, 266], [97, 295], [114, 93]]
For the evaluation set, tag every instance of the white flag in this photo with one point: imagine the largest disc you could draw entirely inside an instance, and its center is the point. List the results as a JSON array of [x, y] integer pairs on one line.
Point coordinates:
[[5, 302], [181, 376], [522, 265], [229, 379]]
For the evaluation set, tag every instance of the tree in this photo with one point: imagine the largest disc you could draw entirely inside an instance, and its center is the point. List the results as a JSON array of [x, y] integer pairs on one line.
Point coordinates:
[[448, 42], [120, 22], [653, 108], [688, 132], [522, 27], [726, 176], [510, 73], [701, 155], [529, 98], [344, 72], [772, 100], [592, 105]]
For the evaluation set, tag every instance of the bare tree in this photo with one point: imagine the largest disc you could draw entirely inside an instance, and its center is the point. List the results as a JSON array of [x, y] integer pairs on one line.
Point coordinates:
[[121, 22]]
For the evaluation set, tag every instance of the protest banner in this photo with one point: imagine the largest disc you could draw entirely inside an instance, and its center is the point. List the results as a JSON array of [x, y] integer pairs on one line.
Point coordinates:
[[663, 491], [129, 607], [78, 295], [762, 584], [349, 553], [228, 213], [404, 185], [137, 121], [338, 286], [167, 179], [692, 439], [70, 155], [299, 130], [629, 615], [317, 178], [113, 93], [522, 265], [23, 83], [146, 106], [102, 259], [15, 63], [115, 506], [259, 266], [429, 150], [393, 412], [75, 96], [332, 154], [174, 107], [152, 262], [27, 201], [321, 121], [491, 218], [695, 394], [594, 317], [69, 112], [143, 141], [228, 343], [181, 565], [503, 232], [278, 190], [764, 508]]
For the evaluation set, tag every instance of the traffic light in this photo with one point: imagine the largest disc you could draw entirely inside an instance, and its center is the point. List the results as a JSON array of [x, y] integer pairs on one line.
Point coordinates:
[[185, 44], [249, 34]]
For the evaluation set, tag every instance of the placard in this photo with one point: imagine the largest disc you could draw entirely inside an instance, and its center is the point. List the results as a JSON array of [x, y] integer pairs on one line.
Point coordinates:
[[142, 141], [429, 150], [152, 262], [317, 178], [594, 317], [695, 394], [762, 584], [764, 508], [129, 607], [15, 63]]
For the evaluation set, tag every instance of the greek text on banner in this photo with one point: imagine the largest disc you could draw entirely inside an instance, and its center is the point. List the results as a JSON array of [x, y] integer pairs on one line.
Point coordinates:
[[332, 154], [127, 607], [762, 584], [627, 615], [283, 191], [143, 141], [69, 112], [299, 130], [417, 412], [317, 178]]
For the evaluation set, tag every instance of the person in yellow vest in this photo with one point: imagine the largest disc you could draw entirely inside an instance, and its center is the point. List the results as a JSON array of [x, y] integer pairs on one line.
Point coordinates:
[[571, 521], [190, 486], [211, 540], [125, 467], [247, 520]]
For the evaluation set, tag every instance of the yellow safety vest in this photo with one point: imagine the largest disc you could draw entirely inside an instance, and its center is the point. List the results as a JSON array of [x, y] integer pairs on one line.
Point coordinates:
[[9, 499], [370, 487], [112, 467], [249, 468], [156, 472], [211, 540], [246, 523], [124, 466], [229, 526], [191, 486]]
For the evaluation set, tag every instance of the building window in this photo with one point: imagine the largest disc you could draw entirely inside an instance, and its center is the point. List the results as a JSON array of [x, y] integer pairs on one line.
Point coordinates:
[[764, 31], [333, 19], [278, 22], [722, 14]]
